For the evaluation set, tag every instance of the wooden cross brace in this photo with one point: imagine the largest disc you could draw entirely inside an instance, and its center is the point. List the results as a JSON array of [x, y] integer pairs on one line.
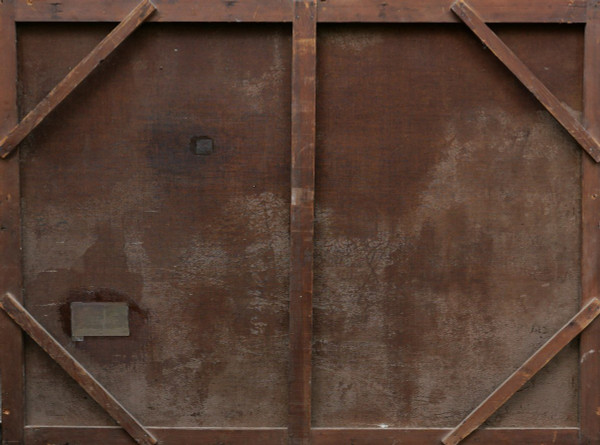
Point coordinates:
[[60, 355], [590, 144], [554, 106], [524, 373], [77, 75]]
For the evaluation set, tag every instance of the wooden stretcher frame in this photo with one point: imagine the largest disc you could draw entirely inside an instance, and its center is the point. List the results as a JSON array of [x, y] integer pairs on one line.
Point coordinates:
[[304, 15]]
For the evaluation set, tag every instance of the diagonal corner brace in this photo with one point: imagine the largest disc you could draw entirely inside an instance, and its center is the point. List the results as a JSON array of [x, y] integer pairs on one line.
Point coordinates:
[[77, 75], [65, 360], [525, 372], [554, 106]]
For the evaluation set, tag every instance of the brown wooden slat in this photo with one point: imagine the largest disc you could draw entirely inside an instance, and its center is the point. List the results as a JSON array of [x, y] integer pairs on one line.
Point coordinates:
[[474, 21], [391, 11], [168, 11], [525, 372], [302, 215], [438, 11], [43, 435], [11, 345], [55, 350], [590, 254], [134, 19], [431, 436]]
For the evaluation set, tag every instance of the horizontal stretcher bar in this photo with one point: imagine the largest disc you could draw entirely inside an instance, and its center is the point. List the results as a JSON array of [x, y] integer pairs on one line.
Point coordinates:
[[376, 11]]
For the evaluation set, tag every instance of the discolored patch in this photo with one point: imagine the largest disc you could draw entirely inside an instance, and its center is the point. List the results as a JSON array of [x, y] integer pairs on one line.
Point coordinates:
[[447, 228], [117, 208]]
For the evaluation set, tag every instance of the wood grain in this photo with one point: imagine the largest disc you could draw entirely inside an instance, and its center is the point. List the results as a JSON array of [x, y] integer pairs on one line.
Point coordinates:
[[525, 372], [77, 75], [55, 350], [431, 436], [377, 11], [438, 11], [42, 435], [11, 345], [554, 106], [590, 247], [304, 52], [168, 11]]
